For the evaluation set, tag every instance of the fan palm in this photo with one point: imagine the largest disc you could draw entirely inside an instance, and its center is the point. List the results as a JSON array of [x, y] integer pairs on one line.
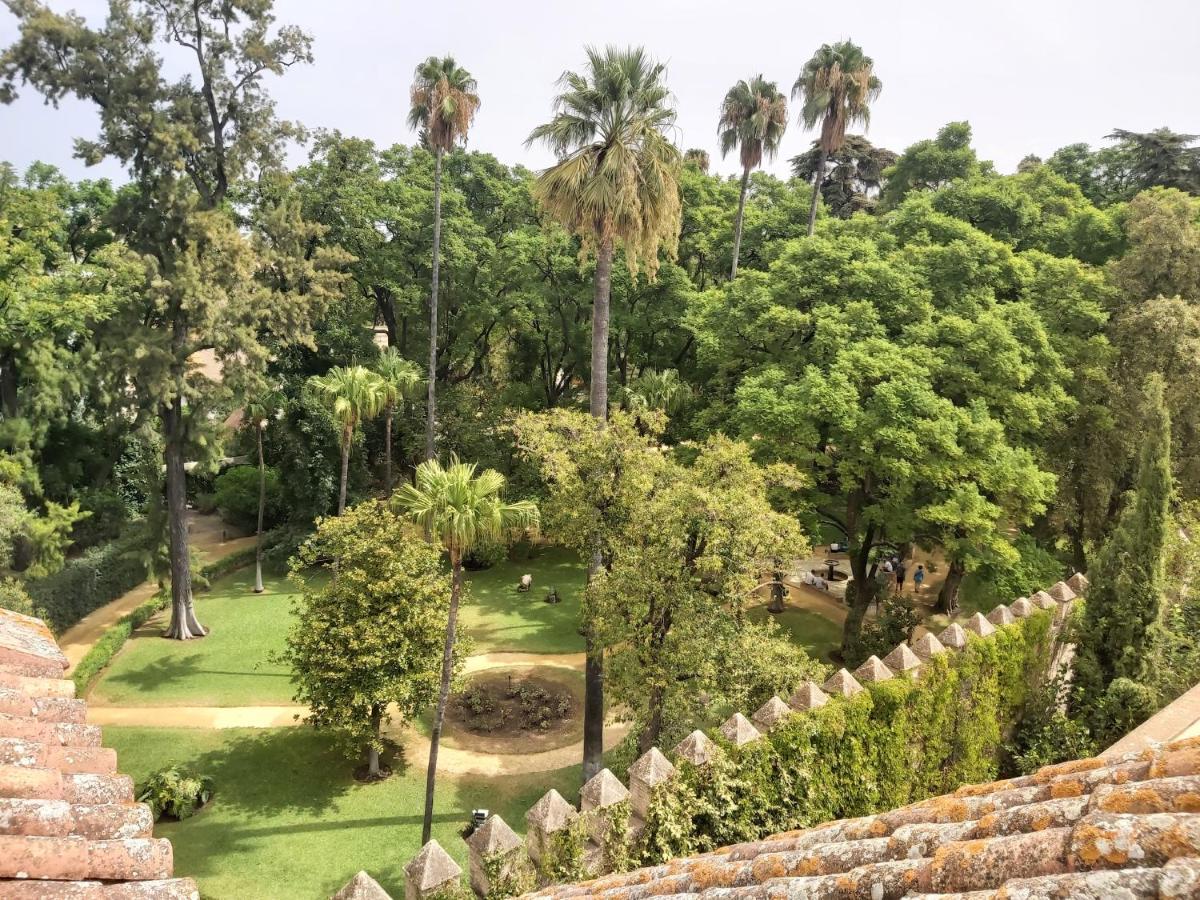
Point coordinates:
[[662, 391], [753, 120], [400, 378], [258, 412], [616, 181], [354, 394], [836, 87], [697, 158], [444, 104], [462, 508]]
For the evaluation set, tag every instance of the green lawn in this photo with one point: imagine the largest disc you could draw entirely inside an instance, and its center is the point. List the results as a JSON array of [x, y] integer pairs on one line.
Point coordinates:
[[815, 633], [500, 619], [289, 821], [230, 667]]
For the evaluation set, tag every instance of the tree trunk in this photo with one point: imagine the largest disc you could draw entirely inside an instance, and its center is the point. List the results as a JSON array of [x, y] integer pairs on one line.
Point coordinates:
[[347, 439], [593, 669], [372, 751], [262, 505], [431, 403], [8, 386], [653, 727], [947, 600], [387, 450], [861, 591], [737, 224], [435, 735], [818, 180], [184, 625]]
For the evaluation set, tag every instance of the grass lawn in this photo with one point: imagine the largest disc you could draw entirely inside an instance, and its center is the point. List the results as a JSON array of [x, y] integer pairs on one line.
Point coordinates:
[[289, 821], [815, 633], [230, 667], [500, 619]]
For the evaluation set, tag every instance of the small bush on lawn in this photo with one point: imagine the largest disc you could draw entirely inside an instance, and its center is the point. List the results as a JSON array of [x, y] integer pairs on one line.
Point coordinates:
[[236, 497], [175, 792]]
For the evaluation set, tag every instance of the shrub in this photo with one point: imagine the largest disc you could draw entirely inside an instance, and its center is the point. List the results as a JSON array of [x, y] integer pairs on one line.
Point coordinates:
[[99, 576], [1034, 567], [13, 596], [108, 514], [103, 651], [485, 555], [236, 497], [175, 792]]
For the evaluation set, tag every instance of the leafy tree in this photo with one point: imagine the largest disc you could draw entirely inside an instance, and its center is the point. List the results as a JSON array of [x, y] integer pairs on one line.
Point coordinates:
[[671, 607], [853, 181], [353, 394], [616, 182], [444, 103], [836, 87], [366, 645], [399, 378], [698, 158], [1163, 259], [1161, 158], [1125, 597], [931, 164], [463, 509], [206, 285], [753, 120]]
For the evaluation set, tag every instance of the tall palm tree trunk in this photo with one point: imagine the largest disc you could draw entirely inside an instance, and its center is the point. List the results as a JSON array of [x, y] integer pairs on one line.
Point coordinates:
[[387, 450], [372, 751], [818, 180], [435, 735], [593, 672], [262, 504], [431, 413], [347, 440], [737, 224], [183, 624]]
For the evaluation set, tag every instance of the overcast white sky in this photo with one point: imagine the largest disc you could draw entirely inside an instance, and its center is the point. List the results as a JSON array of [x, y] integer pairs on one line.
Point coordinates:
[[1030, 75]]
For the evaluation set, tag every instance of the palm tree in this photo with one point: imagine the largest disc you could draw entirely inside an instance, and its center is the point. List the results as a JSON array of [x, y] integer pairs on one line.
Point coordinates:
[[355, 394], [444, 103], [463, 509], [663, 391], [698, 158], [837, 87], [259, 412], [753, 120], [616, 180], [400, 377]]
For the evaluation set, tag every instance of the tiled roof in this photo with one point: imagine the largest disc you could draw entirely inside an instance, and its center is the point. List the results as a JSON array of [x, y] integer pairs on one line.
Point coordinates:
[[69, 826], [1116, 826]]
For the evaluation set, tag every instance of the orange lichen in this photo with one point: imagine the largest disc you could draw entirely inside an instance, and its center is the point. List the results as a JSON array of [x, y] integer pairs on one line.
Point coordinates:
[[707, 875], [1141, 800], [767, 867], [1063, 789], [1048, 773], [1041, 823], [1172, 763], [1088, 840]]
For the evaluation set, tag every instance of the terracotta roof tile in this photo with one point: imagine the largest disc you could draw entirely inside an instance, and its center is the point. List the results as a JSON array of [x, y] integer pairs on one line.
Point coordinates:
[[68, 823]]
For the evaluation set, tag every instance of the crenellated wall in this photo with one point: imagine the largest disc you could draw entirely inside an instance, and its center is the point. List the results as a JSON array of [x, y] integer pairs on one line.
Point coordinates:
[[564, 844]]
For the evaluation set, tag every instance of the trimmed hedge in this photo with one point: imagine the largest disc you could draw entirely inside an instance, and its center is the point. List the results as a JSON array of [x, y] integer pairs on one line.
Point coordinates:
[[103, 651], [99, 576], [897, 742]]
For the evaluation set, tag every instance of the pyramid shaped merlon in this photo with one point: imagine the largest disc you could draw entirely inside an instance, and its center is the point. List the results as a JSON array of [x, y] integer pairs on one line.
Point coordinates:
[[1042, 600], [1021, 608], [903, 661], [551, 813], [492, 845], [696, 748], [650, 770], [842, 683], [873, 671], [770, 714], [808, 696], [927, 647], [1078, 583], [362, 887], [954, 637], [431, 871], [1062, 592], [738, 730], [602, 789], [977, 624], [1001, 616]]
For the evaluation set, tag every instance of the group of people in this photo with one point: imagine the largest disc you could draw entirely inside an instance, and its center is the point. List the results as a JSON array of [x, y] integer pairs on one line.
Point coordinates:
[[894, 568]]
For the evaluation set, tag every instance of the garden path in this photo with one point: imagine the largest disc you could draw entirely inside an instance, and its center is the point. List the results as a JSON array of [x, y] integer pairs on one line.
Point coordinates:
[[207, 535]]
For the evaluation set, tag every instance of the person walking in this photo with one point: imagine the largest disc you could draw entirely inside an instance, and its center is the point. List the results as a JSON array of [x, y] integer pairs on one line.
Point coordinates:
[[918, 578], [900, 573]]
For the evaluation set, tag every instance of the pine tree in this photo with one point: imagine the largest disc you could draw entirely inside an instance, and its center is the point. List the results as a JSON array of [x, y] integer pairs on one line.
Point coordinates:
[[1124, 601]]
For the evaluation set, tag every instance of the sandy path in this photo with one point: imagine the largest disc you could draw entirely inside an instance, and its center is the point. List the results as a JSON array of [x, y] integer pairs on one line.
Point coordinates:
[[207, 536]]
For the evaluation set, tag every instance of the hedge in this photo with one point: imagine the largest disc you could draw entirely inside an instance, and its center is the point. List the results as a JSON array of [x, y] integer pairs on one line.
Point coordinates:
[[897, 742], [103, 651], [99, 576]]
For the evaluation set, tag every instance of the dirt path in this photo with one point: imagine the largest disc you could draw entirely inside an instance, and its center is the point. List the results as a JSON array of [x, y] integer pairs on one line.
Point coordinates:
[[207, 536], [416, 745]]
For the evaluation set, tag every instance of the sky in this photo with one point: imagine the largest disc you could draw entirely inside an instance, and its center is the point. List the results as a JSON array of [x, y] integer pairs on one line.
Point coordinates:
[[1029, 75]]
